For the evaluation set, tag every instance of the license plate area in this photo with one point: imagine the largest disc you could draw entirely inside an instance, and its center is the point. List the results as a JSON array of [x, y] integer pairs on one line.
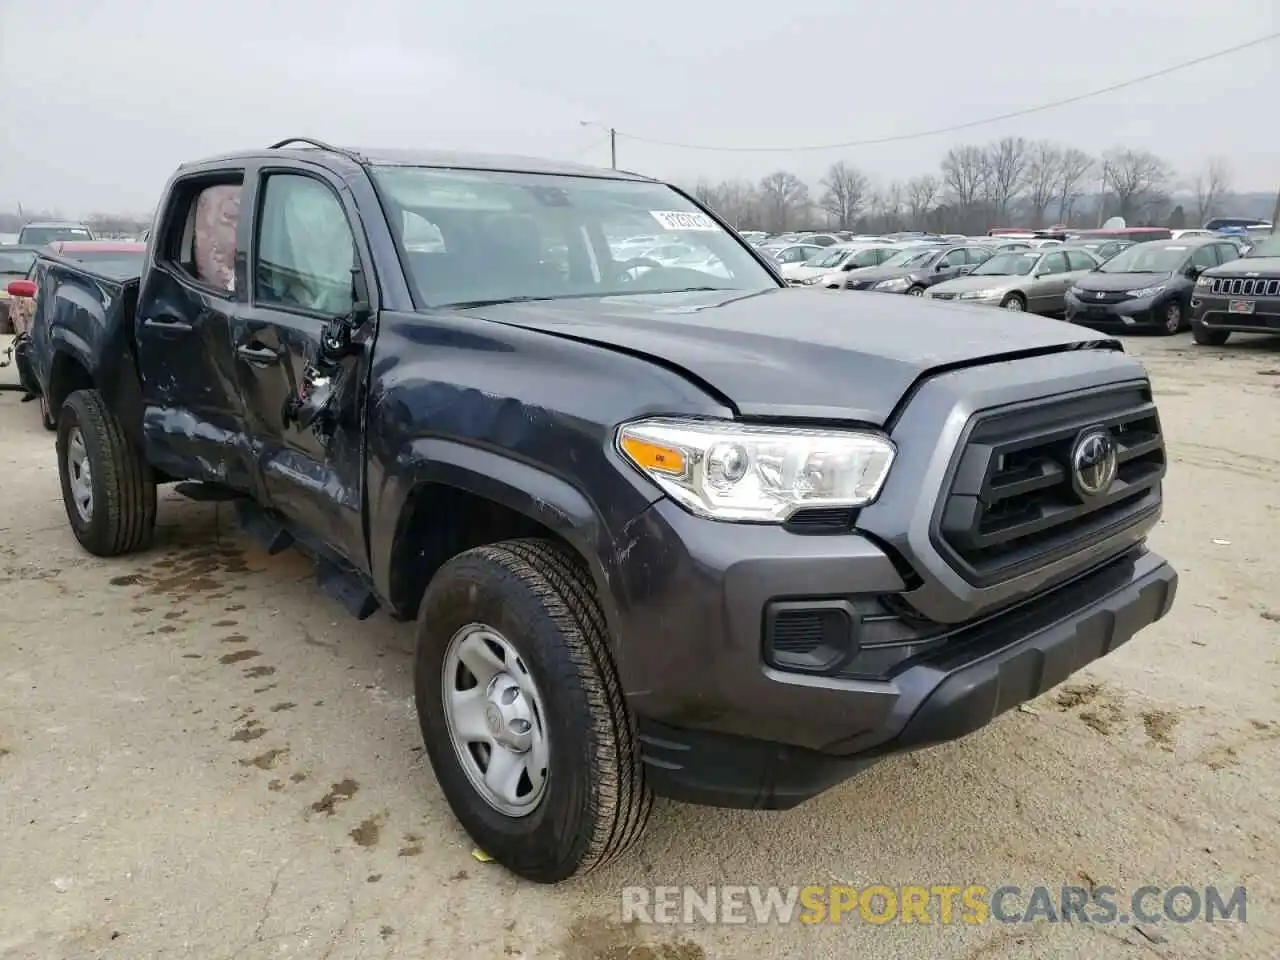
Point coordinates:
[[1241, 306]]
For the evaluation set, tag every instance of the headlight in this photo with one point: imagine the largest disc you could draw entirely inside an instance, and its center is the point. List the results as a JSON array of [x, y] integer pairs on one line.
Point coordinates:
[[1203, 282], [809, 281], [733, 471], [979, 294], [1145, 291], [897, 283]]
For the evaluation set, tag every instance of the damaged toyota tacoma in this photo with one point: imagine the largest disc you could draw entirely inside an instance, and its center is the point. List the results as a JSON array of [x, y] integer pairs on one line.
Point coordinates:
[[666, 528]]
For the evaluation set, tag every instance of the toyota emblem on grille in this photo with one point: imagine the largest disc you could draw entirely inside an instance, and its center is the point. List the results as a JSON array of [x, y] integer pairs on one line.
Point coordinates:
[[1100, 295], [1093, 462]]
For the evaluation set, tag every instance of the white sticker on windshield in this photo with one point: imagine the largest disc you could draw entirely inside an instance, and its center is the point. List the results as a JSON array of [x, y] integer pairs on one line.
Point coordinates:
[[1175, 248], [684, 220]]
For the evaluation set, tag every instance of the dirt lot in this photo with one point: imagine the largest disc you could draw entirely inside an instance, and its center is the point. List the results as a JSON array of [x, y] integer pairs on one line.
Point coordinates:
[[201, 756]]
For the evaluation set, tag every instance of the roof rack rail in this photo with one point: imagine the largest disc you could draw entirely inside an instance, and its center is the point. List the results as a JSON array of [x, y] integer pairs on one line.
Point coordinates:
[[319, 144]]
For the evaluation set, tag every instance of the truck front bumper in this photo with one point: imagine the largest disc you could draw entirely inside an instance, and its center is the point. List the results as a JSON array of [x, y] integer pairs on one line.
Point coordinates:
[[722, 726]]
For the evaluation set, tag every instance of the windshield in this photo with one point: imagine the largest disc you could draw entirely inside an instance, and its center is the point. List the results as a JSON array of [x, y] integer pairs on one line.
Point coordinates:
[[1007, 265], [832, 258], [515, 236], [911, 258], [117, 264], [42, 235], [1147, 258], [1269, 247], [16, 261]]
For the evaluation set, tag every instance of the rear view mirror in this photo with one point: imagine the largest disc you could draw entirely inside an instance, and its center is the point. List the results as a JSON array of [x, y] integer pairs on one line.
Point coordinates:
[[23, 289]]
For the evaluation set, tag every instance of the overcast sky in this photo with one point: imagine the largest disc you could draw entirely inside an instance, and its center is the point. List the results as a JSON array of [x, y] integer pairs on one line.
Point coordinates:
[[102, 98]]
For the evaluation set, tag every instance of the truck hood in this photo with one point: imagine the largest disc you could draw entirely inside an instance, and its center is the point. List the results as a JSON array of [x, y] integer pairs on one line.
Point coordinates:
[[796, 352]]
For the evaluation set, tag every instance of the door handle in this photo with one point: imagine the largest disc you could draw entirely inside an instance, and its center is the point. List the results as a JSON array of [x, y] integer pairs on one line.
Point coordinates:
[[257, 354], [168, 321]]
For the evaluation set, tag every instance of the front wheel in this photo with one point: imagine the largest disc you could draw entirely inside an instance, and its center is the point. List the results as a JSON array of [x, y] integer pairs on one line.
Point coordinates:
[[1015, 303], [1171, 318], [522, 712], [1209, 338], [107, 487], [916, 292]]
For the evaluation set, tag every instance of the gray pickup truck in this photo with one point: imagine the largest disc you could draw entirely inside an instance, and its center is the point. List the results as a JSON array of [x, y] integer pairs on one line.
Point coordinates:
[[665, 529]]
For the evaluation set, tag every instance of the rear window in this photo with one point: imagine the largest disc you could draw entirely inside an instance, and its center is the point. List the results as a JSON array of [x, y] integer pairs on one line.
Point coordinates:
[[43, 235]]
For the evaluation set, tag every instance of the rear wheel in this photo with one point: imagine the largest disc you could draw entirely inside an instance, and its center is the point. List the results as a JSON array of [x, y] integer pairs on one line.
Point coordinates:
[[1014, 302], [1209, 338], [107, 488], [522, 712], [1171, 318]]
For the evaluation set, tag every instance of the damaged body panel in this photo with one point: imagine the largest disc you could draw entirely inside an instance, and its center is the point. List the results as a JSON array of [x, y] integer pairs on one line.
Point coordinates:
[[715, 538]]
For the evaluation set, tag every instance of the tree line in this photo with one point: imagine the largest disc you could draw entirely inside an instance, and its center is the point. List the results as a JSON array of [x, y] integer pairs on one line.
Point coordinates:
[[103, 224], [1007, 182]]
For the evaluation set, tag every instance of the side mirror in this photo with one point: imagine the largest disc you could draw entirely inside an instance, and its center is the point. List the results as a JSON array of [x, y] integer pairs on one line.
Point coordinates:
[[1193, 271], [967, 268], [23, 289]]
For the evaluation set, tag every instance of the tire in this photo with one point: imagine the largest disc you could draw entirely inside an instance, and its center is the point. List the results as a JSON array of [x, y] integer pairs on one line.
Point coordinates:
[[121, 513], [535, 597], [1171, 318], [1014, 302], [1209, 338], [916, 292]]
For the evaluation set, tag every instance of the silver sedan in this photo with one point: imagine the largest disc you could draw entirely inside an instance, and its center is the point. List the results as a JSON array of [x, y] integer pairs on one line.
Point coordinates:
[[1035, 281]]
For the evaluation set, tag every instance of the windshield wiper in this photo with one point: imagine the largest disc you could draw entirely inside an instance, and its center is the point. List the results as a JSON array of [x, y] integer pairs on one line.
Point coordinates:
[[466, 304]]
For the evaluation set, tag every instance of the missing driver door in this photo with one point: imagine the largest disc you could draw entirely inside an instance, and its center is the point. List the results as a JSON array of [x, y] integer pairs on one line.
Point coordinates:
[[300, 272]]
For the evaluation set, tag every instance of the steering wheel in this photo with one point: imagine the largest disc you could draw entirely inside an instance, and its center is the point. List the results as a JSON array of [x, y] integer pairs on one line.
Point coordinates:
[[624, 268]]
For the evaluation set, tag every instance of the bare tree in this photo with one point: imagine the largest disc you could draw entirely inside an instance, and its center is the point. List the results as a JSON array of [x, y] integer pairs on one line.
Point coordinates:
[[1073, 167], [922, 195], [1211, 187], [784, 198], [844, 194], [1138, 179], [735, 200], [1043, 174], [1007, 161], [964, 173]]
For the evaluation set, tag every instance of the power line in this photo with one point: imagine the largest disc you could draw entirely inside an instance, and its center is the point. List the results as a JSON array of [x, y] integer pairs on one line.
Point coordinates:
[[1051, 105]]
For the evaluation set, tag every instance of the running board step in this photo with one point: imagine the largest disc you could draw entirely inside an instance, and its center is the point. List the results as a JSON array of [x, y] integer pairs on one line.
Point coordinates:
[[267, 532], [206, 492], [347, 588]]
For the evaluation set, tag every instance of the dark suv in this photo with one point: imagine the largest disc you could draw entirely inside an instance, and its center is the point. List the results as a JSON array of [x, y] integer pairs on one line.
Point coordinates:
[[917, 269], [684, 531], [1241, 296]]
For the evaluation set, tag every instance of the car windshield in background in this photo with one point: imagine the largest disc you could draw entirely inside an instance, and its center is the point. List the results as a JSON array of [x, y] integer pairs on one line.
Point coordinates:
[[1007, 265], [507, 236], [911, 258], [1268, 247], [117, 264], [42, 235], [1147, 258], [17, 261], [831, 259]]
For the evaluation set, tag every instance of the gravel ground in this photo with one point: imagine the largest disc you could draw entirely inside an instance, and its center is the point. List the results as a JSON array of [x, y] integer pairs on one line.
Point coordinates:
[[201, 756]]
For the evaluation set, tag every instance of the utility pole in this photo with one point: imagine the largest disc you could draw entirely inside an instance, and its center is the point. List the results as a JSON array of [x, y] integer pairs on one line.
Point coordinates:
[[613, 140], [1102, 195]]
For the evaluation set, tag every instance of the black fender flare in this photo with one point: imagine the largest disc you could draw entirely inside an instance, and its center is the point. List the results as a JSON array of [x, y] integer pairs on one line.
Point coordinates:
[[519, 486]]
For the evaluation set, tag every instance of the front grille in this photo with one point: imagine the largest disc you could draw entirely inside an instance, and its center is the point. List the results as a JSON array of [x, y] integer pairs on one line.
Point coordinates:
[[1103, 296], [858, 284], [1014, 503], [943, 296], [821, 520], [1245, 287]]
